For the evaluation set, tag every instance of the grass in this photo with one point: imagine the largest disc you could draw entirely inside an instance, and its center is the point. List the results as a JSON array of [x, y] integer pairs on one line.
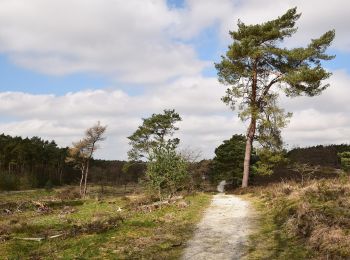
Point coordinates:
[[94, 228], [302, 221], [271, 241]]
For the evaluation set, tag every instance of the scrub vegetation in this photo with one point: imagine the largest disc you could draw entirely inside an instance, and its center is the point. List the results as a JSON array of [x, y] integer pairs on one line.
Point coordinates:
[[309, 220]]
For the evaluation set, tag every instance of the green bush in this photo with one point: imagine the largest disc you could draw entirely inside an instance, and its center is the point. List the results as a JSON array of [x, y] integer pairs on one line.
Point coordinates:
[[29, 181], [167, 171], [345, 161], [9, 181], [268, 160], [49, 185]]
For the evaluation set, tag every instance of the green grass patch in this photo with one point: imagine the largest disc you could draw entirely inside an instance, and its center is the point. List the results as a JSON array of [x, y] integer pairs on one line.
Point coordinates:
[[95, 229], [270, 240]]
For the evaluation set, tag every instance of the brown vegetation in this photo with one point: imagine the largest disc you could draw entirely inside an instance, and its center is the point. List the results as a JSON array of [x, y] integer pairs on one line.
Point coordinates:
[[314, 216]]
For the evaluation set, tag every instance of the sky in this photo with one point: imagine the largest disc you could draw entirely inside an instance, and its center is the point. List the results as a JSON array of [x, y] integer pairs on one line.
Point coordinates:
[[66, 64]]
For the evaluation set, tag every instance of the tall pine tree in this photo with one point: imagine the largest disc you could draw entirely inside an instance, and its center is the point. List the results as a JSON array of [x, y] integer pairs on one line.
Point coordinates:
[[257, 68]]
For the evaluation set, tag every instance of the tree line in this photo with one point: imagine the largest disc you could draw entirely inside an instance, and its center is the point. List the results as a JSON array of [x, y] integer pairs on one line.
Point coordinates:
[[33, 162], [226, 165], [27, 163]]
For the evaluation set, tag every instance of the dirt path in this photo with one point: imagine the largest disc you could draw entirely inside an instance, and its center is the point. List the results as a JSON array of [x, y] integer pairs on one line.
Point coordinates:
[[223, 231]]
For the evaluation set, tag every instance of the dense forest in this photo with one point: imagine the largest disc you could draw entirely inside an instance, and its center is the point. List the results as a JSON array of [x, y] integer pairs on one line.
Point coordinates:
[[31, 163], [36, 163]]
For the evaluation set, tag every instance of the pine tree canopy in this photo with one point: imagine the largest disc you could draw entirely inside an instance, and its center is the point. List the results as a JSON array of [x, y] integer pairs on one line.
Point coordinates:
[[256, 49], [154, 132]]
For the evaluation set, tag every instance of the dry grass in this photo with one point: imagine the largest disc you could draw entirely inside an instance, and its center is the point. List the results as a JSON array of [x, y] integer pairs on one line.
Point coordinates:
[[313, 219]]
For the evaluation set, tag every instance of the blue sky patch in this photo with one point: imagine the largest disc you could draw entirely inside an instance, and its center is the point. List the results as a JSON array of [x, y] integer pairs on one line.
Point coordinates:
[[14, 78]]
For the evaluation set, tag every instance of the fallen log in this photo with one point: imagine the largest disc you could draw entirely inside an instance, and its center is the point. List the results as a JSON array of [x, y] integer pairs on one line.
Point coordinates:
[[158, 204]]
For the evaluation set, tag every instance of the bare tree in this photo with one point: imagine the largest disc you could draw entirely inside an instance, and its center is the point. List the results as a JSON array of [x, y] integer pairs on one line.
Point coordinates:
[[191, 155], [82, 152], [305, 170], [77, 154]]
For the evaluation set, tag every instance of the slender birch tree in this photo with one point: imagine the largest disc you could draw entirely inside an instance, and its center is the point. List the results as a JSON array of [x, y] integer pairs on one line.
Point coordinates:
[[257, 69]]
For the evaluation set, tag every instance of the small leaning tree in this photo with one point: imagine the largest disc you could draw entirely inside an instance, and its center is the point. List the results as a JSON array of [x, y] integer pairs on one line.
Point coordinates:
[[82, 152], [155, 132], [257, 69]]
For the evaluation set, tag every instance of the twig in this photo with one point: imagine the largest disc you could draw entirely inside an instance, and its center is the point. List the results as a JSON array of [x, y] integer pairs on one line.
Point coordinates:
[[55, 236]]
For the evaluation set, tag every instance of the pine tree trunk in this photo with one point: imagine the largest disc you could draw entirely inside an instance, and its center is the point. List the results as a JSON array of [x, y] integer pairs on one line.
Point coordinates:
[[61, 173], [248, 152], [251, 129]]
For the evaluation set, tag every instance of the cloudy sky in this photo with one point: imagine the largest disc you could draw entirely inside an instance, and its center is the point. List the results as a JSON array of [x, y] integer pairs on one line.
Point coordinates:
[[65, 64]]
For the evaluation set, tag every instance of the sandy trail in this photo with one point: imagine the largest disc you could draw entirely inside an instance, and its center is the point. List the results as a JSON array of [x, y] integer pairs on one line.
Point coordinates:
[[223, 231]]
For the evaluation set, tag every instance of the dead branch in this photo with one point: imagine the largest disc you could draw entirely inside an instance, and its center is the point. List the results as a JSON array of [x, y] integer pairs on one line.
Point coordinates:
[[39, 239], [159, 204]]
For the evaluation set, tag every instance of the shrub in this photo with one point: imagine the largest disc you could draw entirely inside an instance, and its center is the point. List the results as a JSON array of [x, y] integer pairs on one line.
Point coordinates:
[[30, 181], [167, 171], [345, 161], [314, 216], [268, 160], [68, 193], [9, 181], [48, 185]]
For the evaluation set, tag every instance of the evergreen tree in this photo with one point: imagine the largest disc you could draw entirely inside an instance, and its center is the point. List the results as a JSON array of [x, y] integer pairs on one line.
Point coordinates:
[[155, 131], [166, 170], [227, 163], [257, 68]]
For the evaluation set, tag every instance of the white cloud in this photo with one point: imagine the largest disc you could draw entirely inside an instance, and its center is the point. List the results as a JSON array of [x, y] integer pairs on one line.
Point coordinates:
[[316, 18], [333, 99], [64, 118], [323, 119], [200, 14], [206, 120], [125, 40], [138, 41]]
